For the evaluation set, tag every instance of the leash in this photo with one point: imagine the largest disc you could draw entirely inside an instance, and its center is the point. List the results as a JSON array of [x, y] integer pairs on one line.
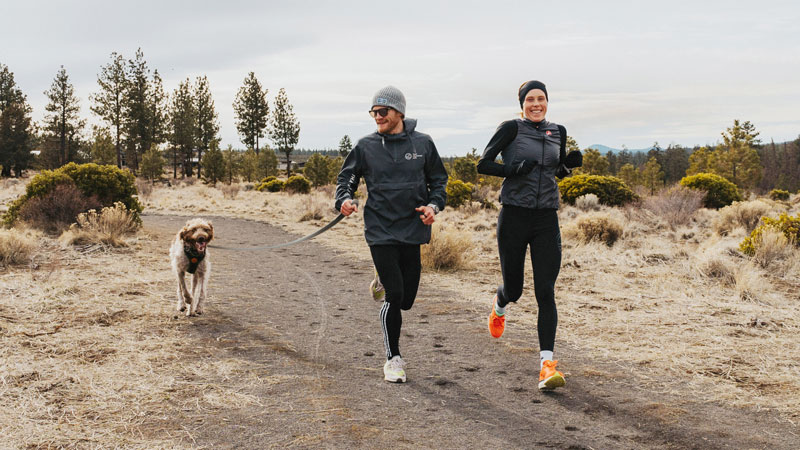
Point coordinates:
[[327, 227]]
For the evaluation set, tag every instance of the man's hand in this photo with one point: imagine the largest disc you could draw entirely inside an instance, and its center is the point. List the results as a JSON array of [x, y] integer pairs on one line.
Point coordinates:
[[428, 214], [348, 208]]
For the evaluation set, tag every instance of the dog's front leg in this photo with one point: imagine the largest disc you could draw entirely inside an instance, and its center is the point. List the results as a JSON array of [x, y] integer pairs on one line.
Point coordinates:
[[201, 296], [184, 297], [195, 294]]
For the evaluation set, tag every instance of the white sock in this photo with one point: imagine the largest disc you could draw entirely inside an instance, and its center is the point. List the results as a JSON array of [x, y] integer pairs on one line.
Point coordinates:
[[498, 310], [545, 355]]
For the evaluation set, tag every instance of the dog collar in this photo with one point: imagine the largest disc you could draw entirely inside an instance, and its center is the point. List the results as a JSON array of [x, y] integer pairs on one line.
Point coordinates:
[[194, 258]]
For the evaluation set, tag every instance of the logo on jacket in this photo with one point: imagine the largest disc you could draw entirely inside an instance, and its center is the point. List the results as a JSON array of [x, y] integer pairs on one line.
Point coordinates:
[[548, 132], [410, 156]]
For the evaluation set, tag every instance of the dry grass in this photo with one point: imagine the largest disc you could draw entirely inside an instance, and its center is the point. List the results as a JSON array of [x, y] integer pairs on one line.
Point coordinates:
[[675, 309], [598, 226], [676, 204], [588, 202], [144, 188], [230, 191], [746, 215], [108, 227], [449, 249], [17, 246]]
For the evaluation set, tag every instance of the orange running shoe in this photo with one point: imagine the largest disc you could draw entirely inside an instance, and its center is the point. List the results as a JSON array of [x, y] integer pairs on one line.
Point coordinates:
[[549, 377], [497, 324]]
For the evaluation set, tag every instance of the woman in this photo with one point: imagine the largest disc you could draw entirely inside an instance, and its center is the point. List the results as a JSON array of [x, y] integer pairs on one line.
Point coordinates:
[[531, 149], [406, 183]]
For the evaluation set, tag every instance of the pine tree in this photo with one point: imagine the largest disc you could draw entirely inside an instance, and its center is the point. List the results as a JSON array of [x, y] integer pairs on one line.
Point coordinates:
[[345, 145], [9, 91], [109, 103], [158, 111], [152, 164], [267, 163], [252, 111], [63, 124], [628, 174], [16, 129], [138, 120], [233, 163], [101, 146], [593, 163], [207, 126], [182, 119], [213, 164], [317, 170], [651, 175], [285, 130]]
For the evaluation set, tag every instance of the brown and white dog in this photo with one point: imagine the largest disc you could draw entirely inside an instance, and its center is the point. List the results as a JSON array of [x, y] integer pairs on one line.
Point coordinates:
[[189, 254]]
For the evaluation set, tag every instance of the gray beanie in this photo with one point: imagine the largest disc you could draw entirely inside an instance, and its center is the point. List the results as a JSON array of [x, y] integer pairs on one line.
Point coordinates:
[[392, 97]]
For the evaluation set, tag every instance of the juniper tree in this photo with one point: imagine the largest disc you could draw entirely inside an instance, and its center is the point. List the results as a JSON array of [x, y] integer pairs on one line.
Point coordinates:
[[252, 111], [152, 164], [285, 130]]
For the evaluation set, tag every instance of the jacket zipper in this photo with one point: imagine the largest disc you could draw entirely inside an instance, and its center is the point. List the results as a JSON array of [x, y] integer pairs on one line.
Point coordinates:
[[541, 166]]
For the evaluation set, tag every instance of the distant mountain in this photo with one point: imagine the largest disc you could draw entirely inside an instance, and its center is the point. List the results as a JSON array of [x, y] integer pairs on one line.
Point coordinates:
[[605, 149]]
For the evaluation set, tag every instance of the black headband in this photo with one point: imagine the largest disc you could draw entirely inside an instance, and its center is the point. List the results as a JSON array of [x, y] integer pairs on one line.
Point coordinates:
[[529, 85]]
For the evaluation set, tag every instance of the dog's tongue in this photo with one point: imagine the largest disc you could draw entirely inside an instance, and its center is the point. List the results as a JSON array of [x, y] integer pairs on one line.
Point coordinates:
[[201, 246]]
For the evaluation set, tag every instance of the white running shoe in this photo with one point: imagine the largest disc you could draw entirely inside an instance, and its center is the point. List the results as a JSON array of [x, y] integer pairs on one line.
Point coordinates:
[[394, 370], [376, 289]]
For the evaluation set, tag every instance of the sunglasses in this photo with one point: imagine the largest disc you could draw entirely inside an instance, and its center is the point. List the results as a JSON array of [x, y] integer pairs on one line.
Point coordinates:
[[383, 112]]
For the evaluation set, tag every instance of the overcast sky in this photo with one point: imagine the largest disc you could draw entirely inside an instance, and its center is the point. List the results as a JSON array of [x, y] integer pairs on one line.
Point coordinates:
[[617, 72]]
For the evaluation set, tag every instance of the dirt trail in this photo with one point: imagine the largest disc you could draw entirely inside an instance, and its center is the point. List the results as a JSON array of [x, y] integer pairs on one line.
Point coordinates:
[[302, 317]]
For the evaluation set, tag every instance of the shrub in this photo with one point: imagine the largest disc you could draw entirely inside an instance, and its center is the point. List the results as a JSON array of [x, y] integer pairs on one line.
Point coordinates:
[[741, 214], [786, 224], [54, 211], [465, 169], [676, 204], [719, 191], [230, 191], [482, 194], [16, 247], [270, 184], [449, 249], [779, 194], [106, 227], [610, 191], [588, 202], [598, 227], [106, 183], [320, 170], [298, 184], [458, 193]]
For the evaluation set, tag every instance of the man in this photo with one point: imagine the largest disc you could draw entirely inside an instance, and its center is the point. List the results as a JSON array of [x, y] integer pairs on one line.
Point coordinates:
[[406, 183]]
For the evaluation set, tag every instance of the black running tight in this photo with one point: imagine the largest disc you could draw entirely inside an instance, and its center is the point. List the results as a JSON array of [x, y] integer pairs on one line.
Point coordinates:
[[517, 229], [399, 269]]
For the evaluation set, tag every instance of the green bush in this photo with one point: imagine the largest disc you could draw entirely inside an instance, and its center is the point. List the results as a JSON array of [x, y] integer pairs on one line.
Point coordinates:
[[458, 193], [298, 184], [465, 169], [779, 194], [609, 190], [108, 184], [719, 191], [788, 225], [271, 184]]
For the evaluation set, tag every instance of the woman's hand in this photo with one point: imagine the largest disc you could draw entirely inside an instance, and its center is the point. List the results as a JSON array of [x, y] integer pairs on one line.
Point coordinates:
[[428, 214]]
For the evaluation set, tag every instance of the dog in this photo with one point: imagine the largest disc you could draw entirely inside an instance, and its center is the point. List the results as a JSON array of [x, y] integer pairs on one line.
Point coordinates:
[[189, 254]]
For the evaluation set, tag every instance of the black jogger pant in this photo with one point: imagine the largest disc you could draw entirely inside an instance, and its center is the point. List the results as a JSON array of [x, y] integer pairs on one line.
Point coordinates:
[[517, 229], [399, 269]]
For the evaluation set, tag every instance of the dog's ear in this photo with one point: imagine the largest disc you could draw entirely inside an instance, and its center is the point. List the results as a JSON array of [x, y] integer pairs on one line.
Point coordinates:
[[184, 231], [210, 231]]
